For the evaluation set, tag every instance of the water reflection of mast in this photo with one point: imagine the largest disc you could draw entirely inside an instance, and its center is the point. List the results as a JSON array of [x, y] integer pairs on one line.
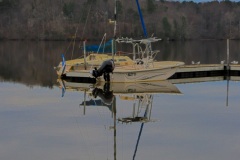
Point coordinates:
[[143, 100], [142, 95], [228, 68], [115, 132], [140, 132], [148, 99], [108, 100], [84, 108], [227, 88]]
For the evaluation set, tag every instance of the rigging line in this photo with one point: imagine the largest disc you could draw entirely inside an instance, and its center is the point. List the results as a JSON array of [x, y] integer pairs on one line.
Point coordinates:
[[105, 124], [86, 21], [74, 38], [103, 40], [68, 47], [82, 135], [74, 41], [101, 117], [104, 44], [85, 144], [87, 135], [75, 35]]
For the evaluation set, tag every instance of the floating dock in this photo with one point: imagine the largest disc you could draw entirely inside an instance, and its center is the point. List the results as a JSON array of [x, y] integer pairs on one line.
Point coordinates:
[[206, 72]]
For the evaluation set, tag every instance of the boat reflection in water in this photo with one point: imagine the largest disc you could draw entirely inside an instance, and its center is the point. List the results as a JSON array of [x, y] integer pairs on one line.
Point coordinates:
[[104, 94]]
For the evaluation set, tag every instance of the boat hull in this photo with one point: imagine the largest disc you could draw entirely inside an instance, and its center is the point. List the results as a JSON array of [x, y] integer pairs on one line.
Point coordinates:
[[158, 71]]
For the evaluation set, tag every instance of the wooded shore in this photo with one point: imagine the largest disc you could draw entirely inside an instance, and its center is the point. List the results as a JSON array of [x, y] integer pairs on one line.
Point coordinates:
[[90, 19]]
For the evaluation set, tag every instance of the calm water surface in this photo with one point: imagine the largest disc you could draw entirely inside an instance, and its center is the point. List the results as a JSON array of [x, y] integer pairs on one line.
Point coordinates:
[[36, 122]]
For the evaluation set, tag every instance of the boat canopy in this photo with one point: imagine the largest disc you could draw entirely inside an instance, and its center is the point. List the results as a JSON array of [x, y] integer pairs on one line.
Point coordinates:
[[106, 47]]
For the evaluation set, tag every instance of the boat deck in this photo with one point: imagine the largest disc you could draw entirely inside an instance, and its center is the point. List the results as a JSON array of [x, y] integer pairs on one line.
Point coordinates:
[[128, 68], [153, 65]]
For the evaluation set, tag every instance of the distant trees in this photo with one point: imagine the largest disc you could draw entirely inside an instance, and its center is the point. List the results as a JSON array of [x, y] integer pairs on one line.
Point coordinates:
[[151, 7], [167, 28], [68, 9], [5, 4], [66, 19]]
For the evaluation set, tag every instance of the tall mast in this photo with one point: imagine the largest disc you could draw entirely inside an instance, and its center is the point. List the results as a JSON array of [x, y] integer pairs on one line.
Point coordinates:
[[142, 21], [115, 19], [115, 30]]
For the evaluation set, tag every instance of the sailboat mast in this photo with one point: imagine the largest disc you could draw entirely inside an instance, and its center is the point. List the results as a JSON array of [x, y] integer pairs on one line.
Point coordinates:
[[141, 18], [114, 30], [148, 45], [115, 19]]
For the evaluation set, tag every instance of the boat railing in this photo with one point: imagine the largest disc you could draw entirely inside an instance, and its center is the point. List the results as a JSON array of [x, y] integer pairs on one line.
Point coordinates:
[[141, 48]]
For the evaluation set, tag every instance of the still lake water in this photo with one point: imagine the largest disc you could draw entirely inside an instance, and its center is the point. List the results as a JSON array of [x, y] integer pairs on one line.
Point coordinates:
[[36, 122]]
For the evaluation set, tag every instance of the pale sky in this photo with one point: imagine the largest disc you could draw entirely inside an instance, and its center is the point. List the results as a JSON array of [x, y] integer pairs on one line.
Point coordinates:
[[205, 0]]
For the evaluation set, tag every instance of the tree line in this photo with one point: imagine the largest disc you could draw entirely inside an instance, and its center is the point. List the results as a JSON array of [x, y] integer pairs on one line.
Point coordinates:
[[90, 19]]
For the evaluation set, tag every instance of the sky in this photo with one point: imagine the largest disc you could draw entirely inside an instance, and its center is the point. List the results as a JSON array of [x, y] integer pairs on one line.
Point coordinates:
[[206, 0]]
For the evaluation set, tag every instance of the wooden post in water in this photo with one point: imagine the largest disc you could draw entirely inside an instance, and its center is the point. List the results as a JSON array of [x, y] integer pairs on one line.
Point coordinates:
[[84, 108], [227, 52], [228, 68], [84, 53], [114, 109]]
